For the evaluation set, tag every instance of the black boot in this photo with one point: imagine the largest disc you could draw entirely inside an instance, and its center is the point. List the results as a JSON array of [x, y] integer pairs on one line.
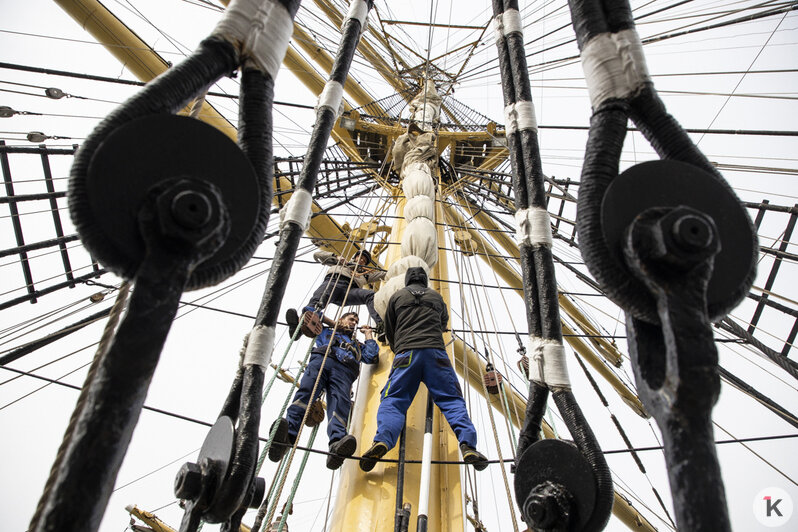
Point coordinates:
[[292, 318], [473, 457], [281, 441], [341, 449], [370, 457]]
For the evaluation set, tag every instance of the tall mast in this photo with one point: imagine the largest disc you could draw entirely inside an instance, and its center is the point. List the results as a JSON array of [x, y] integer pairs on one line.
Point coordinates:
[[368, 500]]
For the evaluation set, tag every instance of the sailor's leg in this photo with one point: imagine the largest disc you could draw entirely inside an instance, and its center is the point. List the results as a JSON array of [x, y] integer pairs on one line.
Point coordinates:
[[397, 395], [333, 293], [302, 396], [321, 294], [443, 386], [339, 403], [363, 296]]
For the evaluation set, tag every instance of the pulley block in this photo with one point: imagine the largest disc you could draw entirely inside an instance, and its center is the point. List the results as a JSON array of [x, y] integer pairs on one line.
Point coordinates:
[[199, 481], [315, 413], [523, 365], [555, 486], [144, 154], [668, 183], [492, 379], [463, 239], [311, 324]]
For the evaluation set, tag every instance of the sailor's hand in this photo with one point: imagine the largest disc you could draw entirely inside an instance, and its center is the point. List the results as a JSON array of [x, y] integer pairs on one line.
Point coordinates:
[[368, 331]]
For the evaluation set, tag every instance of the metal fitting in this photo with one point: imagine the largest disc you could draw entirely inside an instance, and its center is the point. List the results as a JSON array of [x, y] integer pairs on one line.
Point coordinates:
[[548, 507], [188, 481], [190, 210], [692, 232]]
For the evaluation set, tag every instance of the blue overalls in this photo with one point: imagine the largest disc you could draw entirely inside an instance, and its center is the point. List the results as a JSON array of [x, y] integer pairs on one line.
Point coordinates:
[[340, 371], [433, 368]]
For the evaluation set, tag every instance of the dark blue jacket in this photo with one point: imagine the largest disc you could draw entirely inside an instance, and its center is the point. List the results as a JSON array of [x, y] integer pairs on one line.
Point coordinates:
[[345, 350]]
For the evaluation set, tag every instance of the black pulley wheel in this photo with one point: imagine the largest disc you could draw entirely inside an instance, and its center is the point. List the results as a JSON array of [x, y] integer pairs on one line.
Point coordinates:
[[145, 153], [668, 183], [558, 462]]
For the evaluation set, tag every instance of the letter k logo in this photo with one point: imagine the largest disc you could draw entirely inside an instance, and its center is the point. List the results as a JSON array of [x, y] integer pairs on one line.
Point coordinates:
[[772, 506]]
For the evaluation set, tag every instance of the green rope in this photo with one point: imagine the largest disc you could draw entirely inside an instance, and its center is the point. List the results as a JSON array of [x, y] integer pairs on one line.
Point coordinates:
[[281, 471], [273, 431], [550, 415], [282, 360], [295, 486]]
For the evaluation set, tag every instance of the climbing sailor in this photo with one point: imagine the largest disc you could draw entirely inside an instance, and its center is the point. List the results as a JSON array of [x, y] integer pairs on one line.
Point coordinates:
[[415, 319], [338, 289], [340, 370]]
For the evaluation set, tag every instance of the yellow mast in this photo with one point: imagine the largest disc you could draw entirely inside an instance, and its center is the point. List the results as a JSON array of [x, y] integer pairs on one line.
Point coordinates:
[[367, 501]]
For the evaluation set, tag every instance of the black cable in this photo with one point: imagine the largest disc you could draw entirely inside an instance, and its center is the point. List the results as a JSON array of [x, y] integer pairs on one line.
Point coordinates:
[[50, 338], [50, 71], [442, 462], [767, 402], [623, 435]]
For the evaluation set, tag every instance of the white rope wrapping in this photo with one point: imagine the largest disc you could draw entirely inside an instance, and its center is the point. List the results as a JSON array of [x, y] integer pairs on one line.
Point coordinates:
[[498, 29], [400, 267], [614, 66], [297, 209], [420, 207], [332, 96], [260, 346], [520, 116], [506, 23], [533, 227], [388, 289], [417, 183], [547, 363], [417, 167], [421, 239], [511, 20], [358, 10], [260, 29]]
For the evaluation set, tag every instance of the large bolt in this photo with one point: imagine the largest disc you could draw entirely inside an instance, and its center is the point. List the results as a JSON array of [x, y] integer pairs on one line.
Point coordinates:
[[692, 233], [191, 209], [547, 507], [188, 482]]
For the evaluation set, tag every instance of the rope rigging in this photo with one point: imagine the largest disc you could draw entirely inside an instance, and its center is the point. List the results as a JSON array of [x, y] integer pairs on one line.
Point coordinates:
[[547, 370], [479, 315]]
